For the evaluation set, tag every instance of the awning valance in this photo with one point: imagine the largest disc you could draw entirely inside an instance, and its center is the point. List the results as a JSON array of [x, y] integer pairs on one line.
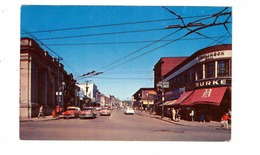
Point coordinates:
[[211, 96]]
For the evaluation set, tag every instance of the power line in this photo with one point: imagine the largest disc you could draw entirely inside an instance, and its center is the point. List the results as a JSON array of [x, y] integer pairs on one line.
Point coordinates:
[[101, 34], [109, 25], [117, 78], [197, 24], [139, 50], [203, 26], [128, 42], [197, 29]]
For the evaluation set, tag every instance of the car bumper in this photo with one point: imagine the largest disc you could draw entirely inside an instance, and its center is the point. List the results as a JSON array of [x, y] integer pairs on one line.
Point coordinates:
[[68, 116], [105, 114], [87, 116]]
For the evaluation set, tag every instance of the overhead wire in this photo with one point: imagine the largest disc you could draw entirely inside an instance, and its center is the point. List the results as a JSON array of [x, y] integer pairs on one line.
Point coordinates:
[[187, 26], [115, 24], [126, 42], [203, 17], [102, 34], [138, 50], [210, 25], [190, 32]]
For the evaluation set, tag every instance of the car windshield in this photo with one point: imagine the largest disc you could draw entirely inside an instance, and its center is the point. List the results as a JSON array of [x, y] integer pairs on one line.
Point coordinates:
[[104, 108], [88, 108], [72, 109]]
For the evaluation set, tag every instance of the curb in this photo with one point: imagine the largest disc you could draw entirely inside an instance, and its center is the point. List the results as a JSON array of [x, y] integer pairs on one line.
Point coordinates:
[[179, 123], [39, 120]]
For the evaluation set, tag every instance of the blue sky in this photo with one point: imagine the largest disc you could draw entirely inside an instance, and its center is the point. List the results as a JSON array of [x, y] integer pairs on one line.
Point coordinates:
[[92, 37]]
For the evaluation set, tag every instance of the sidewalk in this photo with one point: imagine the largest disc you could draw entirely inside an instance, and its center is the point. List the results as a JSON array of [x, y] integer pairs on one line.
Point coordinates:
[[181, 122], [36, 119]]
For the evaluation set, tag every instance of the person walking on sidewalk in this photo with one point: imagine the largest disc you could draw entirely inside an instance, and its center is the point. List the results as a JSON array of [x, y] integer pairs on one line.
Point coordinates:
[[41, 111], [192, 115], [224, 121], [177, 115], [173, 114]]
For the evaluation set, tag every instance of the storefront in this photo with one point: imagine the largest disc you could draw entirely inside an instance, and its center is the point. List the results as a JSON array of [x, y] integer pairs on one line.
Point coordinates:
[[205, 81]]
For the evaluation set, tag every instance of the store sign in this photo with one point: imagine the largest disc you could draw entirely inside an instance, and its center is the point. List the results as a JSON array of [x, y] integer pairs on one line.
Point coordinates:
[[214, 55], [211, 83], [175, 94], [163, 84]]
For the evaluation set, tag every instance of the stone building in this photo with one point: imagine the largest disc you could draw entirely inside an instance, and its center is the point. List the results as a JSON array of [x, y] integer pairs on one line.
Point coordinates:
[[43, 80]]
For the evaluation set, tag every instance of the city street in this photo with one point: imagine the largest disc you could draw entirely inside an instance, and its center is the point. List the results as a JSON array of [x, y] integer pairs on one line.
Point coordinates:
[[119, 127]]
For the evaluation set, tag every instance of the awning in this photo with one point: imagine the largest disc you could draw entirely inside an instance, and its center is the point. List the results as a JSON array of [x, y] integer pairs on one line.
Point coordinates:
[[169, 103], [208, 96], [183, 97]]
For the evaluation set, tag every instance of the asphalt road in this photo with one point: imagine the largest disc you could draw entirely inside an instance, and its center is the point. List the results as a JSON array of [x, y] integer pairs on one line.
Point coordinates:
[[119, 127]]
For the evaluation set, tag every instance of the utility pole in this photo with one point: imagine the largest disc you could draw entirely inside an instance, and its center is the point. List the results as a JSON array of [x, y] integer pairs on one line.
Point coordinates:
[[58, 100]]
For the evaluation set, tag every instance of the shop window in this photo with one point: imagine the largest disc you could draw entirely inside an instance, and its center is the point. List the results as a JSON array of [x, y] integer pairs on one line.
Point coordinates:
[[210, 70], [199, 71], [223, 68]]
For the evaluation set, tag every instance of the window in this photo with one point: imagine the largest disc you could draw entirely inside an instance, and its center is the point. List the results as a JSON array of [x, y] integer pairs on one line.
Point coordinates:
[[223, 68], [210, 70], [192, 75], [199, 71]]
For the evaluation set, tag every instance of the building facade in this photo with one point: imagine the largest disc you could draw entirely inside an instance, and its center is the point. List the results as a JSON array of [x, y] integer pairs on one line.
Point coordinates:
[[161, 68], [202, 82], [89, 94], [144, 98], [43, 80]]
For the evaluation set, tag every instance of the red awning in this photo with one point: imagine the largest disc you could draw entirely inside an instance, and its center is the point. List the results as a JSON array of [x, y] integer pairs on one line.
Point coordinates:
[[208, 96], [183, 97]]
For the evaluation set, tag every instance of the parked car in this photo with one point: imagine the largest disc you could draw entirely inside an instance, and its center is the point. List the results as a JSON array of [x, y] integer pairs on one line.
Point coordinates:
[[97, 108], [129, 110], [71, 112], [88, 112], [105, 111]]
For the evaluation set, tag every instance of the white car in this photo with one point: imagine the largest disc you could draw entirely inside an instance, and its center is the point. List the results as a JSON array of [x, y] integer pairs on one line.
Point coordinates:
[[129, 110]]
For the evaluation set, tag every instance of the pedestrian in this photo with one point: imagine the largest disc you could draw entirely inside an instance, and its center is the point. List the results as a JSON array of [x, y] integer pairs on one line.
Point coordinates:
[[202, 118], [224, 121], [229, 113], [192, 115], [173, 114], [177, 115], [41, 111]]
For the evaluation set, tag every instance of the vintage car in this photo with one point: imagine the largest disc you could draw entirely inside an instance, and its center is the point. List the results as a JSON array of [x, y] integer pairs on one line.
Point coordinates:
[[105, 111], [129, 110], [71, 112], [88, 112]]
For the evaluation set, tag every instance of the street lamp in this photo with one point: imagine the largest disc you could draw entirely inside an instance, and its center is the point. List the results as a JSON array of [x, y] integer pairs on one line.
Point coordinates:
[[140, 99]]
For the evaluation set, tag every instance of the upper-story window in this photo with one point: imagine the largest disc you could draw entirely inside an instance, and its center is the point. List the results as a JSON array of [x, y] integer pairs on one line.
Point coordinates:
[[192, 75], [210, 69], [223, 68], [199, 71]]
